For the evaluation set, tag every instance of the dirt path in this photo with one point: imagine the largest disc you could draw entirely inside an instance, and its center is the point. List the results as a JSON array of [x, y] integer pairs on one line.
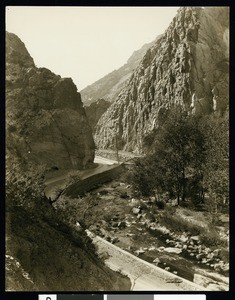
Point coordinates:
[[144, 276]]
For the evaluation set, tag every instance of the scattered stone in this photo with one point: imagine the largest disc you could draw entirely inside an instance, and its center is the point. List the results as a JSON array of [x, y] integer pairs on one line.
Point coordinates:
[[162, 229], [167, 268], [156, 261], [114, 224], [135, 210], [199, 256], [178, 245], [210, 256], [122, 224], [173, 250], [183, 238], [130, 234], [216, 252], [138, 252], [195, 238], [152, 248], [115, 240]]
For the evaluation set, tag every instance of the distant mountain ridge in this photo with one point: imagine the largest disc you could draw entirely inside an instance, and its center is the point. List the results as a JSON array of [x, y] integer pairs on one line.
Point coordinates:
[[109, 86]]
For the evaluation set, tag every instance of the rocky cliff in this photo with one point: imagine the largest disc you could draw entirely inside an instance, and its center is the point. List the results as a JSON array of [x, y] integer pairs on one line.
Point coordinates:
[[188, 65], [95, 110], [45, 119], [110, 85]]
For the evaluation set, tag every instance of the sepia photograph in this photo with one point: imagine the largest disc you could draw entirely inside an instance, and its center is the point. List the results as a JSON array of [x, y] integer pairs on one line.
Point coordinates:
[[117, 149]]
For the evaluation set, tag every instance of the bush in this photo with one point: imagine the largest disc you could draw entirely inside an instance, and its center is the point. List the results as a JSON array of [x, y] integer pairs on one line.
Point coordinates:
[[212, 238], [224, 255], [180, 225], [160, 204]]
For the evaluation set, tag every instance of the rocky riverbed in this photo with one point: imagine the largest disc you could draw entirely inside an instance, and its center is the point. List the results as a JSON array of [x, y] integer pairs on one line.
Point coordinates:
[[135, 225]]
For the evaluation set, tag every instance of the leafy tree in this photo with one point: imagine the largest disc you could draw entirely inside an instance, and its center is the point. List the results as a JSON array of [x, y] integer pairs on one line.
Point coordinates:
[[216, 173], [177, 159]]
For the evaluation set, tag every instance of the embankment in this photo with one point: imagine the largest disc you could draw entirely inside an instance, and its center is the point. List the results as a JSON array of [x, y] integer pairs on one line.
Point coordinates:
[[87, 184]]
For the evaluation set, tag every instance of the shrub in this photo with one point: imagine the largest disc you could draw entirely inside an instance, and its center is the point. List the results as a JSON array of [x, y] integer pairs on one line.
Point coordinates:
[[160, 204], [212, 238], [224, 255], [179, 224]]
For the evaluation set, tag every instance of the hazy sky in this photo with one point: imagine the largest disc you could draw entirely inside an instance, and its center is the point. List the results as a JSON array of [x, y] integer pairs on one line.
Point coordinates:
[[86, 43]]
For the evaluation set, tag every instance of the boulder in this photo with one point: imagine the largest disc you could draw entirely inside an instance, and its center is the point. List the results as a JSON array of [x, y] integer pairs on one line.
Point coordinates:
[[173, 250], [135, 210]]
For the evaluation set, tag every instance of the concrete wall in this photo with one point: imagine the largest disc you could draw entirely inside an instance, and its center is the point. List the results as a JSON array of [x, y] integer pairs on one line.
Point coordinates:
[[79, 188]]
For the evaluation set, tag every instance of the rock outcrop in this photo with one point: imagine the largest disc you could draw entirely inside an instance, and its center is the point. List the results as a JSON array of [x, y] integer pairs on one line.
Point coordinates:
[[95, 110], [188, 66], [110, 85], [45, 118]]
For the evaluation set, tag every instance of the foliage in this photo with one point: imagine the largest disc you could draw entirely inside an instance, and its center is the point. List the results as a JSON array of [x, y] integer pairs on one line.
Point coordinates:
[[216, 173], [176, 160], [187, 159], [21, 189], [160, 204], [179, 224]]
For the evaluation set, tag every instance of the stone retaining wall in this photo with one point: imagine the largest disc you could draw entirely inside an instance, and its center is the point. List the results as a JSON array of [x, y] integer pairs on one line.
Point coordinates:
[[89, 183]]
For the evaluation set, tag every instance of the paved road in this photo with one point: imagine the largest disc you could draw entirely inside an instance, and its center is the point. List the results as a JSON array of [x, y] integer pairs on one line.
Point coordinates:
[[103, 160], [56, 182], [144, 276]]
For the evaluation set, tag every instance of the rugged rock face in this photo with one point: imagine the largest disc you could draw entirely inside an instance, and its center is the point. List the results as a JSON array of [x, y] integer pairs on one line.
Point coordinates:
[[45, 119], [188, 66], [110, 85], [95, 110]]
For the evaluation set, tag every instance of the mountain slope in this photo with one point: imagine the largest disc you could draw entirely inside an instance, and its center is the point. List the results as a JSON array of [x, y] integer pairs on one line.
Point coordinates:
[[45, 119], [46, 126], [43, 254], [110, 85], [188, 66]]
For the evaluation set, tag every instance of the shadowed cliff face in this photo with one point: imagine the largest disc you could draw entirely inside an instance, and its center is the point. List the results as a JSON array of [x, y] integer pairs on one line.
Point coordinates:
[[45, 119], [95, 110], [188, 66]]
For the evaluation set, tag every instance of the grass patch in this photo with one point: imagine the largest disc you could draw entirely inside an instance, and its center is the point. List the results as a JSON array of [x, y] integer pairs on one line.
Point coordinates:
[[179, 224], [212, 238], [224, 255]]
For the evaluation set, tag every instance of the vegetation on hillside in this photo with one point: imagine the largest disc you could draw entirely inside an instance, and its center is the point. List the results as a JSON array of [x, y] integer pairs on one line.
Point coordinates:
[[46, 249], [187, 160]]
